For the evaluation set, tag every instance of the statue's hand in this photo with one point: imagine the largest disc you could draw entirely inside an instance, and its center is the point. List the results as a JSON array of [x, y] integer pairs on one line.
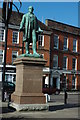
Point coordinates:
[[39, 30]]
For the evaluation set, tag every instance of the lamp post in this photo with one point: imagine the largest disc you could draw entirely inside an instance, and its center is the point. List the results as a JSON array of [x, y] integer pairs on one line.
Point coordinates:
[[5, 16], [7, 10], [65, 93]]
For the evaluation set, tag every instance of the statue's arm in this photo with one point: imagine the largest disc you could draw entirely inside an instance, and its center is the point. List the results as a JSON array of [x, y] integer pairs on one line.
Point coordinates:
[[39, 29], [22, 23]]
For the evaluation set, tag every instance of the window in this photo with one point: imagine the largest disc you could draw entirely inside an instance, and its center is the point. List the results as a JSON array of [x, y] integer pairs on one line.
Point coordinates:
[[65, 45], [2, 31], [14, 78], [74, 45], [73, 82], [74, 63], [40, 40], [56, 40], [8, 77], [65, 62], [64, 83], [15, 37], [55, 61], [14, 55], [1, 56]]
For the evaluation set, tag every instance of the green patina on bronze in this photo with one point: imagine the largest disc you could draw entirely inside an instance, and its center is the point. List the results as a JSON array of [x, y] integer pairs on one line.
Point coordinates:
[[29, 26]]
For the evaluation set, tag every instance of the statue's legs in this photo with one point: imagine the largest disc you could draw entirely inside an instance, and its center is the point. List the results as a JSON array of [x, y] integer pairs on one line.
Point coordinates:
[[27, 47], [34, 43]]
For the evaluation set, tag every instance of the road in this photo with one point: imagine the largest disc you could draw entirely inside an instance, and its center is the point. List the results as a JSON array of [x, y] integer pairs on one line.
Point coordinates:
[[72, 98], [57, 109]]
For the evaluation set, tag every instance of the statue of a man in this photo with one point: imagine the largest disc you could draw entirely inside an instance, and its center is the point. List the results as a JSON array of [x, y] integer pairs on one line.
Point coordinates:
[[29, 26]]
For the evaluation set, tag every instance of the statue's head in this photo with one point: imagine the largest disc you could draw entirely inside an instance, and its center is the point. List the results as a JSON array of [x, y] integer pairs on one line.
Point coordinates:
[[30, 9]]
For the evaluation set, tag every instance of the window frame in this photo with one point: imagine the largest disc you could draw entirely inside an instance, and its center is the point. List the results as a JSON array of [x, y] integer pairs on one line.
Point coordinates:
[[75, 64], [76, 45], [57, 41], [3, 35], [64, 82], [56, 61], [42, 41], [17, 37], [66, 45], [74, 82], [66, 62], [12, 55], [2, 56]]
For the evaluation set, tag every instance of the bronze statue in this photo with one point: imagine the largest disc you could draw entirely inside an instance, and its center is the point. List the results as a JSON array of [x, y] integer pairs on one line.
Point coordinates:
[[29, 26]]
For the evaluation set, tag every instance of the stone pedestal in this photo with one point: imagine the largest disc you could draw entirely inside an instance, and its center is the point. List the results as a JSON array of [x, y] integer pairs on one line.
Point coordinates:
[[28, 89]]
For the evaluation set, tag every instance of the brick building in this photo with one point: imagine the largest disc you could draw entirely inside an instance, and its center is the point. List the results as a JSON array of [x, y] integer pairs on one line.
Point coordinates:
[[65, 55], [59, 44]]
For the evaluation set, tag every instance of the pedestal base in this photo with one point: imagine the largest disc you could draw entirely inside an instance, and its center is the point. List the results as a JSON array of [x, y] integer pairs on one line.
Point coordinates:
[[29, 107], [28, 98]]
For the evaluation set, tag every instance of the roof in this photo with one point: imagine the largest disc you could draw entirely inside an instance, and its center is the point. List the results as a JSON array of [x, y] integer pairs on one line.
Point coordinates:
[[16, 17], [62, 27]]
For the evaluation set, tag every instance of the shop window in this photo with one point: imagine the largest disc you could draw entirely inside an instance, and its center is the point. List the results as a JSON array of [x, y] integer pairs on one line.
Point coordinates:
[[56, 41], [14, 78], [8, 77]]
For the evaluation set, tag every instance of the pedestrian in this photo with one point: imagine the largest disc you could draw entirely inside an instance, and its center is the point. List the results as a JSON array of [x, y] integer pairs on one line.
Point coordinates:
[[5, 95]]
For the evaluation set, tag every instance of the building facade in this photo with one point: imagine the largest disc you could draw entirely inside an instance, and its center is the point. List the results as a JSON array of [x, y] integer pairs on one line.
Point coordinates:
[[65, 55]]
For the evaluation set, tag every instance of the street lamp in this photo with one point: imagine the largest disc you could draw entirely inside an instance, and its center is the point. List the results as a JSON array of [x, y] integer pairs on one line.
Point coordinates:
[[5, 17]]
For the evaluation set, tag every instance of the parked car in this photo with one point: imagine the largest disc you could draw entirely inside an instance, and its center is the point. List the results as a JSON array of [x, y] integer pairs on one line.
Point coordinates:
[[9, 87], [50, 91]]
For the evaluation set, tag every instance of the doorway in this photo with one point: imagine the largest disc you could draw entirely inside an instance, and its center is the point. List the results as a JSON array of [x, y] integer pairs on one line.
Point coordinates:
[[54, 82]]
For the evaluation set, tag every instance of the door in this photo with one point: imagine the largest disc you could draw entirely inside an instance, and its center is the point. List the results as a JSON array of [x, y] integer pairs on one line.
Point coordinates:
[[54, 82]]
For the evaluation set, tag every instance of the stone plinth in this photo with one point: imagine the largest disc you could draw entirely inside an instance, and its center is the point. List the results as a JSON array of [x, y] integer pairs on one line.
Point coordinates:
[[28, 89]]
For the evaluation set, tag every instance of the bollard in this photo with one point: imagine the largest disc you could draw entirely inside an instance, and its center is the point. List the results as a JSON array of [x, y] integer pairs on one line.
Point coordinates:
[[65, 98]]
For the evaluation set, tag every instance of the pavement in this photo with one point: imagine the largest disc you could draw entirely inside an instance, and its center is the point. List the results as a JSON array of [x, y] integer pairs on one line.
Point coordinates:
[[57, 110], [71, 93]]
